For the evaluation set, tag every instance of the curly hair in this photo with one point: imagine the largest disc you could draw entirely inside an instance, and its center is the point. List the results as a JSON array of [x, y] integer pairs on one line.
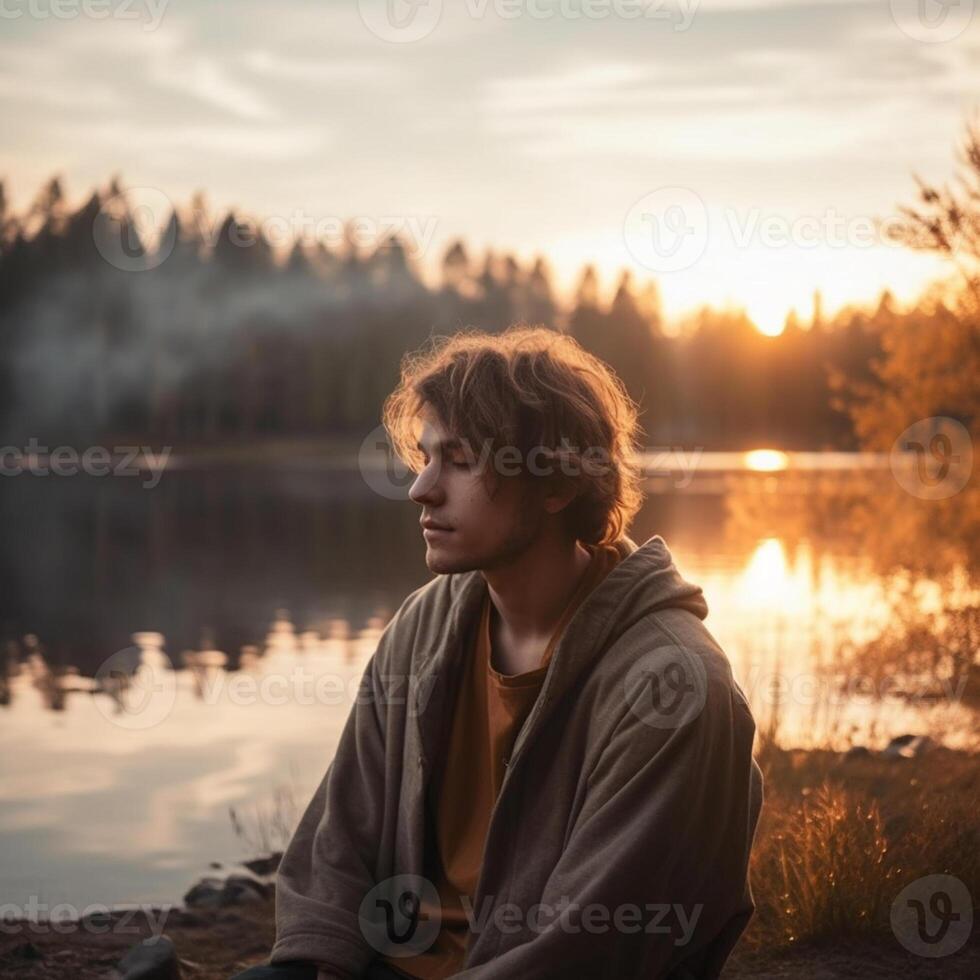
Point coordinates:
[[537, 390]]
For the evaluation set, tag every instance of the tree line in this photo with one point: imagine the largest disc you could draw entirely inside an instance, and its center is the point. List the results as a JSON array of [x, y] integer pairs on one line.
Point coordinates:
[[218, 341]]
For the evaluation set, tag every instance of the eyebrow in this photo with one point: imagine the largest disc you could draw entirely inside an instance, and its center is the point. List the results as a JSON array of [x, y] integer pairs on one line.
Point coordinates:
[[444, 445]]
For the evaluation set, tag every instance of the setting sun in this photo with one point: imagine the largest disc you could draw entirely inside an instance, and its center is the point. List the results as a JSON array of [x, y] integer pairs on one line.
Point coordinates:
[[768, 315], [766, 460]]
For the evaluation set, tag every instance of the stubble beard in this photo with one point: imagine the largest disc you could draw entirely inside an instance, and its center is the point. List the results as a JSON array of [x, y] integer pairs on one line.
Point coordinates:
[[520, 537]]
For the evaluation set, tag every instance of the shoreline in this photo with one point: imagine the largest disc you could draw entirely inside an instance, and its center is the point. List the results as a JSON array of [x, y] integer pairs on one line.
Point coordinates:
[[216, 944], [862, 825]]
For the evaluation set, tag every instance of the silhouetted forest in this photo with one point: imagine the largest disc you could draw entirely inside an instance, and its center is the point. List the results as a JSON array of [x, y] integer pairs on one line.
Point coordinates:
[[223, 341]]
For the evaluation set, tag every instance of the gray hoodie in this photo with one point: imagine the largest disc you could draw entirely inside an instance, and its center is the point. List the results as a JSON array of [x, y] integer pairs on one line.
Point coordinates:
[[619, 844]]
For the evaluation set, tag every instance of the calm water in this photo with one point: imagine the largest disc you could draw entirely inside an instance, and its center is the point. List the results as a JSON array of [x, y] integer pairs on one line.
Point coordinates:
[[267, 590]]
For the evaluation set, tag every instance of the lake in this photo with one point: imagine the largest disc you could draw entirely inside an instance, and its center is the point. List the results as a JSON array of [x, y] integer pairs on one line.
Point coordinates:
[[266, 587]]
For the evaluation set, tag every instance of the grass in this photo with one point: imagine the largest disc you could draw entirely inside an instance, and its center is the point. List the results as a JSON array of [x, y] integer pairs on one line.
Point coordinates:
[[839, 839], [269, 824]]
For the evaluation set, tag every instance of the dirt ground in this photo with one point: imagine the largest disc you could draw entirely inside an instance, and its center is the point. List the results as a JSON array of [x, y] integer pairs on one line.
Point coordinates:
[[214, 945], [853, 960]]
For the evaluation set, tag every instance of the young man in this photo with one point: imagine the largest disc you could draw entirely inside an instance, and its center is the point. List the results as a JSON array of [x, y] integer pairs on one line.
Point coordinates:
[[549, 770]]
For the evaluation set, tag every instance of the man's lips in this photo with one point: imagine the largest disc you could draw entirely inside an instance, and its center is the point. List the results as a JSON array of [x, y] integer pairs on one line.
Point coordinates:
[[430, 525]]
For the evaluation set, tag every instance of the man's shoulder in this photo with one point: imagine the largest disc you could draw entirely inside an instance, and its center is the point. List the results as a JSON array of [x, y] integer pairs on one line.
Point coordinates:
[[673, 641]]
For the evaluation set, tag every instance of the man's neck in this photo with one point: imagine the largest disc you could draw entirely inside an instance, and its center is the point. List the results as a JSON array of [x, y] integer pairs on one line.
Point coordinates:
[[529, 595]]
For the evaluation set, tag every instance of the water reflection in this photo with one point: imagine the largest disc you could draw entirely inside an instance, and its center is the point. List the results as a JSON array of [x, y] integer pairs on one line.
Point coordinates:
[[167, 659], [766, 460], [127, 678]]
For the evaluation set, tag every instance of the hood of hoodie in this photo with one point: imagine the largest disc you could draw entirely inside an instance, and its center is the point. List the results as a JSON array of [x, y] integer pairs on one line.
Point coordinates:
[[644, 581]]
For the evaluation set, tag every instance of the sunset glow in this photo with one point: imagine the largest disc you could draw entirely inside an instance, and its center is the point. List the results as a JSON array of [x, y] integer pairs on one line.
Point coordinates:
[[547, 159], [766, 460]]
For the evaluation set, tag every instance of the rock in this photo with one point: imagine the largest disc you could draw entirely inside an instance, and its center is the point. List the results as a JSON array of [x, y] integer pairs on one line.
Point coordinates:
[[264, 865], [206, 894], [190, 919], [25, 951], [96, 921], [243, 890], [908, 747], [152, 959], [217, 865], [236, 889], [857, 752]]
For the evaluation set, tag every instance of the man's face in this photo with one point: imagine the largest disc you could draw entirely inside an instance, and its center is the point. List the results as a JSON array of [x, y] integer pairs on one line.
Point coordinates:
[[468, 522]]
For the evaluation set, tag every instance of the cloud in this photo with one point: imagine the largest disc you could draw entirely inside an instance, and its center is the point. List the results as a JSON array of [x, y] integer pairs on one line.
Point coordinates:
[[763, 134], [270, 142], [799, 87], [203, 78], [263, 62], [55, 94]]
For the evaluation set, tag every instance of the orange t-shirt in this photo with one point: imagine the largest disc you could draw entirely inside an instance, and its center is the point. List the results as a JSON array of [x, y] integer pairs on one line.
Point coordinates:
[[490, 709]]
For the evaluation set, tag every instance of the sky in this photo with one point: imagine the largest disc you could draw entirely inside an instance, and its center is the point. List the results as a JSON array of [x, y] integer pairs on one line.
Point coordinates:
[[738, 152]]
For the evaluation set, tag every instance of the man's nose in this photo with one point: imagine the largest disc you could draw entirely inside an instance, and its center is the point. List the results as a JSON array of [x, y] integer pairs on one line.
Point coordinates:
[[427, 488]]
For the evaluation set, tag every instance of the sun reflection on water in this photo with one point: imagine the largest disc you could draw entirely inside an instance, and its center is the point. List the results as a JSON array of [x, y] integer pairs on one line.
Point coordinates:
[[766, 460]]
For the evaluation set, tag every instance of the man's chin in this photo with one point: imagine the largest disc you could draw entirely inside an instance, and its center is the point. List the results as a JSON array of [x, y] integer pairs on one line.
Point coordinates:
[[441, 563]]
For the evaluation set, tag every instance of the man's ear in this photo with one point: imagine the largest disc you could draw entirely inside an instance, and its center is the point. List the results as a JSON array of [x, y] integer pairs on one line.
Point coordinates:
[[558, 494]]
